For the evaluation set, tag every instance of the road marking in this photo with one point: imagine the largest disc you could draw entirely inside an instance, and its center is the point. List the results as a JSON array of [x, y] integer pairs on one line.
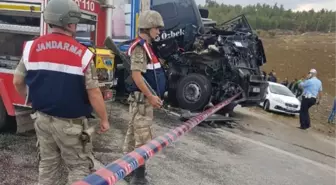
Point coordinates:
[[326, 167]]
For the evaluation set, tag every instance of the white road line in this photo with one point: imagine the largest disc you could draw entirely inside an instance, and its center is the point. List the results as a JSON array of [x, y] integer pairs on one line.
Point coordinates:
[[326, 167]]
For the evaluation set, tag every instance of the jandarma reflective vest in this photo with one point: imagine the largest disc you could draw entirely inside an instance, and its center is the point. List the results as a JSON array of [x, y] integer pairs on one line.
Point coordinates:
[[55, 66], [158, 82]]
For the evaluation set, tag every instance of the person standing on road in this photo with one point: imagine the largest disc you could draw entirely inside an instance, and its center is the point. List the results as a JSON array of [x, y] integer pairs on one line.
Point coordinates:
[[144, 64], [331, 118], [297, 89], [63, 88], [285, 82], [272, 77], [312, 94], [265, 75], [291, 85]]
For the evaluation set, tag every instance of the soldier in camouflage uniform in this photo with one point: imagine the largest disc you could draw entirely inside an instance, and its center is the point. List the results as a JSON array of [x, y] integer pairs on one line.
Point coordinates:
[[63, 88], [144, 64]]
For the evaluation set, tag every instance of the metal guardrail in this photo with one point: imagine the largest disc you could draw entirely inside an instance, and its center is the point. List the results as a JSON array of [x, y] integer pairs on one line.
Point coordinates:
[[118, 169]]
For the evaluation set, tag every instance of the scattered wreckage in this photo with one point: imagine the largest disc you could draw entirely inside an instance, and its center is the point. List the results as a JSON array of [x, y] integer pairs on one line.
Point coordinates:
[[205, 67]]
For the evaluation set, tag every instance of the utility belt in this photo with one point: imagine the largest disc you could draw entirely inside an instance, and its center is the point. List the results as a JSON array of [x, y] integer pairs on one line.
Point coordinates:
[[76, 121], [308, 96], [86, 132]]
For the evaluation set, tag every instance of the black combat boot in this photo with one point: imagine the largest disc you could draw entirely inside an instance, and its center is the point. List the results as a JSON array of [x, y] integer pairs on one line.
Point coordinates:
[[139, 176]]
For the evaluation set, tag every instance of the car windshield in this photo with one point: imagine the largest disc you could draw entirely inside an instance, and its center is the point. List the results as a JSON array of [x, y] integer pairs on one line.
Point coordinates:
[[282, 90]]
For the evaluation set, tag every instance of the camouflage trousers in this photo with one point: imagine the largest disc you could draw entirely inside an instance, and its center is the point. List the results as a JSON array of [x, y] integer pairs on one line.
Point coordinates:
[[140, 129], [59, 139]]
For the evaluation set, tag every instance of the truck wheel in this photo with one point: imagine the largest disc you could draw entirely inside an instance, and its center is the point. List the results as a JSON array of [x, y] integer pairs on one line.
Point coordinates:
[[193, 92], [3, 115]]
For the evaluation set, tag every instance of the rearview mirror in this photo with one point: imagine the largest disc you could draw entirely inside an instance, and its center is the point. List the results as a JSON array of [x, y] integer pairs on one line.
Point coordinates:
[[204, 12]]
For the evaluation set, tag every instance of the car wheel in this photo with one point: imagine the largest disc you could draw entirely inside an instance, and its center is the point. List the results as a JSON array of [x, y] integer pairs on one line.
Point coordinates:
[[193, 92], [266, 105]]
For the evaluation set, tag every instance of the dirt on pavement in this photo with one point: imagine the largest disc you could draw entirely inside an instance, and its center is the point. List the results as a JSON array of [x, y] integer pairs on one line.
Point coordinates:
[[203, 156]]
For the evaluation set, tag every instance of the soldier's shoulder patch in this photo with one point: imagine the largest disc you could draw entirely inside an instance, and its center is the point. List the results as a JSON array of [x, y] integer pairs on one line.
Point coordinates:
[[138, 55]]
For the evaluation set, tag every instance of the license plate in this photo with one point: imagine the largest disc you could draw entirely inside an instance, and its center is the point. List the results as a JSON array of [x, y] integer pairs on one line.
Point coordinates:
[[256, 89], [290, 109]]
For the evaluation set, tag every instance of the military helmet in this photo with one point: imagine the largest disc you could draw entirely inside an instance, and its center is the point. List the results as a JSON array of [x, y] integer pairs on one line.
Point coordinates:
[[150, 19], [61, 13]]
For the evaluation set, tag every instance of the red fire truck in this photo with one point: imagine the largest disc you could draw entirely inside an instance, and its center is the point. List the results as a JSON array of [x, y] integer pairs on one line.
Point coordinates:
[[22, 20]]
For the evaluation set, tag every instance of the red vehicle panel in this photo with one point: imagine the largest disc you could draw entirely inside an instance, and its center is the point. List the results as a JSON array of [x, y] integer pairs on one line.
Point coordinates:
[[8, 93], [93, 11], [88, 6]]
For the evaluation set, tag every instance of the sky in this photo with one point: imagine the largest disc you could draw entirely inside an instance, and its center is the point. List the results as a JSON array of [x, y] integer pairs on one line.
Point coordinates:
[[296, 5]]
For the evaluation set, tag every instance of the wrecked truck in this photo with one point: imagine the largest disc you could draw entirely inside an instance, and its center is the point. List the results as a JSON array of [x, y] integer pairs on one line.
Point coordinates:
[[205, 62]]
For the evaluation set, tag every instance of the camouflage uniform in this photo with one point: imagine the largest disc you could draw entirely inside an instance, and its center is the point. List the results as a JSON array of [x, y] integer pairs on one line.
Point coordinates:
[[59, 138], [140, 126], [140, 129]]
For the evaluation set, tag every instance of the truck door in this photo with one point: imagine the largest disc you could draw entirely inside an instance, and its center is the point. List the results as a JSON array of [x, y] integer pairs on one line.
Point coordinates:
[[176, 15]]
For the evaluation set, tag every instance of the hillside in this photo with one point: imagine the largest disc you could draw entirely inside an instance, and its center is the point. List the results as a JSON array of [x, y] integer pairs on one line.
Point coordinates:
[[292, 56]]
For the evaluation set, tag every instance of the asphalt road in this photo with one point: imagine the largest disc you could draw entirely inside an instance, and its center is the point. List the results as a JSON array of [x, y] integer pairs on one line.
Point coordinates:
[[238, 156], [259, 150]]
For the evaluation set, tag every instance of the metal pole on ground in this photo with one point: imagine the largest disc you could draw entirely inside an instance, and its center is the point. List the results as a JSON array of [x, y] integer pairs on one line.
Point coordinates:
[[120, 168]]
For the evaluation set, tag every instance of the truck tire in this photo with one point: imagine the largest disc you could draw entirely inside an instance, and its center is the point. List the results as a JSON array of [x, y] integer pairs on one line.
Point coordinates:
[[3, 115], [193, 92]]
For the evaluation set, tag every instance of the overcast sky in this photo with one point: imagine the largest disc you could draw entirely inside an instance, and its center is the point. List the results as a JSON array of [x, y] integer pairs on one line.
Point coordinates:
[[288, 4]]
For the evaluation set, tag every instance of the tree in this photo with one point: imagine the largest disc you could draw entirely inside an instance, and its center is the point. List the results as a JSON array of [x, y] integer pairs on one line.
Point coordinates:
[[267, 17]]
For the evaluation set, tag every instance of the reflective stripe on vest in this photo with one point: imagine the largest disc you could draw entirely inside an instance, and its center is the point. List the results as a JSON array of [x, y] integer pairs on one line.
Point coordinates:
[[67, 66], [56, 65], [155, 63]]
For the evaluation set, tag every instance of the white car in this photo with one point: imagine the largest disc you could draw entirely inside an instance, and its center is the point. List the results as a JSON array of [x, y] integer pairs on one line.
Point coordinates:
[[280, 99]]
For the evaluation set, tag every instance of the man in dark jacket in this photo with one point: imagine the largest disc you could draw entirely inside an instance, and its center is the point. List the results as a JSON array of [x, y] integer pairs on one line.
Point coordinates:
[[285, 82], [272, 77]]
